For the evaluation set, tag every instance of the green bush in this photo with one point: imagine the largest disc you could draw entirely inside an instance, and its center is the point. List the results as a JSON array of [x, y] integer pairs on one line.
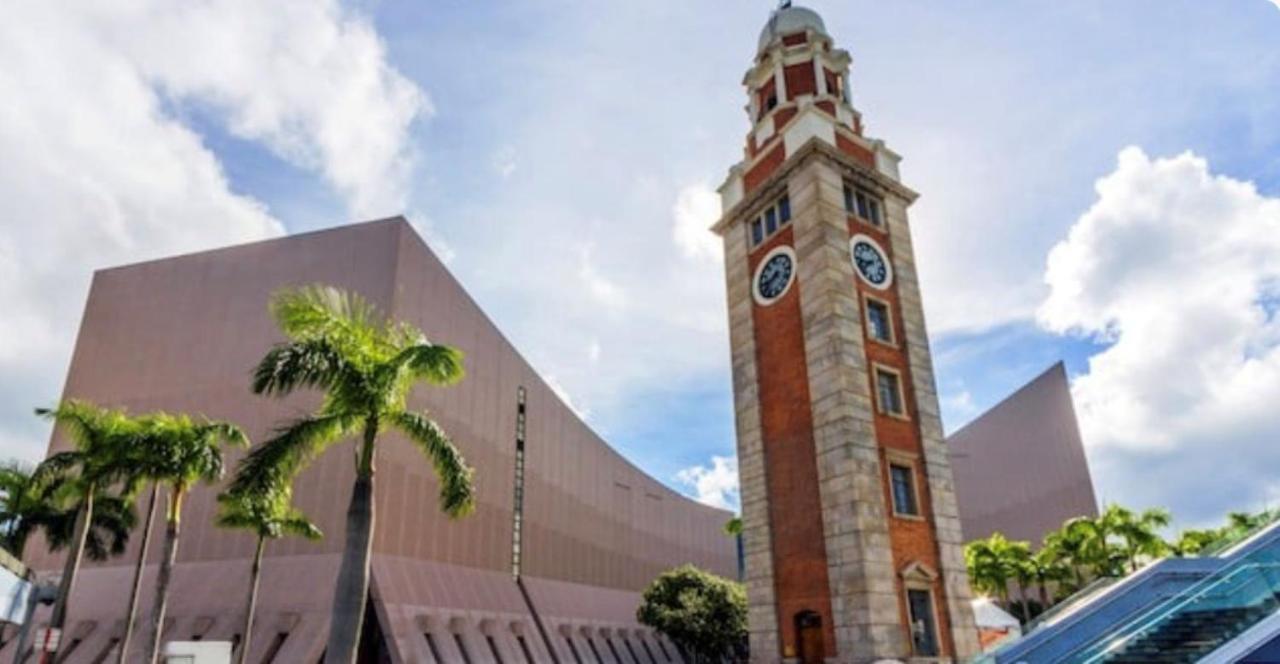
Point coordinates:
[[705, 615]]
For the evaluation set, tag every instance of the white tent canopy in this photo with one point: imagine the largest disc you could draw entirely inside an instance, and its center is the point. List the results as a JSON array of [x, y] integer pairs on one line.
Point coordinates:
[[989, 616]]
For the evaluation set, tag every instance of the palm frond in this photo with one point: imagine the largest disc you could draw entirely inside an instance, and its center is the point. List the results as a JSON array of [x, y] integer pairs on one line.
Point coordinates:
[[275, 462], [457, 490], [103, 440], [436, 363], [57, 467], [319, 311], [299, 526], [267, 514], [113, 519], [310, 363]]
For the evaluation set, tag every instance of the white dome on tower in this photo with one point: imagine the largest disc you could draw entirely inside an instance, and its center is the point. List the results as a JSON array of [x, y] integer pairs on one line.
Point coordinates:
[[788, 20]]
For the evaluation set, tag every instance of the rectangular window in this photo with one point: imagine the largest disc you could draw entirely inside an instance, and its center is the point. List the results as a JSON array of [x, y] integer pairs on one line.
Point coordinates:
[[770, 221], [924, 633], [868, 207], [879, 323], [873, 207], [889, 393], [903, 486], [862, 203]]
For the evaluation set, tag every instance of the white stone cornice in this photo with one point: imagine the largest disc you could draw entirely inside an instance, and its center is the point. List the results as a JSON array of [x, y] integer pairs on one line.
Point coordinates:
[[734, 209]]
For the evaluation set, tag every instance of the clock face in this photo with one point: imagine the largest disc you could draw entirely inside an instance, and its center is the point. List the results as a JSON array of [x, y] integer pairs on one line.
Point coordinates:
[[774, 275], [870, 262]]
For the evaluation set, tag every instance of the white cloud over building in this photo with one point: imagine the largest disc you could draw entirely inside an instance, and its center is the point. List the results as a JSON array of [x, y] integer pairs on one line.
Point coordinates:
[[1178, 270]]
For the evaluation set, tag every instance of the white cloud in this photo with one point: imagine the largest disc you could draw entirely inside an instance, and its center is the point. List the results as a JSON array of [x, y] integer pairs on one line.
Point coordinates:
[[430, 232], [504, 161], [308, 79], [558, 388], [696, 209], [960, 403], [98, 169], [1178, 269], [715, 485], [602, 289]]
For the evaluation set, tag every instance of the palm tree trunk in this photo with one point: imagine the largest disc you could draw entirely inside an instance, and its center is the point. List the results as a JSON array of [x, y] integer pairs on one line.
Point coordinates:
[[352, 589], [132, 616], [1026, 605], [171, 531], [84, 517], [254, 573], [1044, 595]]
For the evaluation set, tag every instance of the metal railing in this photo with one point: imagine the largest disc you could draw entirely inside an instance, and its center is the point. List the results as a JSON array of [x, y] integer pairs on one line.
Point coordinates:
[[1250, 583]]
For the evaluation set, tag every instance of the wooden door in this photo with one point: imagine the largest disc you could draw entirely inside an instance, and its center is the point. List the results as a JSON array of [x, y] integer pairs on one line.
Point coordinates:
[[809, 636]]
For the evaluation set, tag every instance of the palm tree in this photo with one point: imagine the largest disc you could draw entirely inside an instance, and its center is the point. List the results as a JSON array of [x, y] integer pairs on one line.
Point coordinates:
[[1240, 524], [182, 452], [101, 440], [992, 563], [135, 590], [1018, 555], [1093, 545], [733, 527], [24, 505], [268, 516], [1066, 549], [148, 469], [1044, 567], [1192, 542], [29, 503], [366, 365], [1139, 532]]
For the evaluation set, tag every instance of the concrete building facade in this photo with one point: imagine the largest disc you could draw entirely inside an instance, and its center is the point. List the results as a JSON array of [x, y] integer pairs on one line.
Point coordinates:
[[1020, 467], [852, 532], [182, 334]]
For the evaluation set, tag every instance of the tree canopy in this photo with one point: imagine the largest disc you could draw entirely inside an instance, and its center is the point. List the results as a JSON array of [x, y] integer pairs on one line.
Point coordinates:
[[702, 613], [1085, 548]]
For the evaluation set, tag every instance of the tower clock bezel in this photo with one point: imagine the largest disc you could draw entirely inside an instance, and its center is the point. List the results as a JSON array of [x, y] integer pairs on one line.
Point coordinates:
[[755, 278], [884, 257]]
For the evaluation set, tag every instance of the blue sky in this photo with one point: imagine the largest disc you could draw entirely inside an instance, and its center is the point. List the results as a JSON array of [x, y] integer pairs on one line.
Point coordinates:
[[561, 156]]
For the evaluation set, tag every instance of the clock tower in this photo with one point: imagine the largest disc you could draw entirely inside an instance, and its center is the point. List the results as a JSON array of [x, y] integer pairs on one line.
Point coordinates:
[[852, 536]]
